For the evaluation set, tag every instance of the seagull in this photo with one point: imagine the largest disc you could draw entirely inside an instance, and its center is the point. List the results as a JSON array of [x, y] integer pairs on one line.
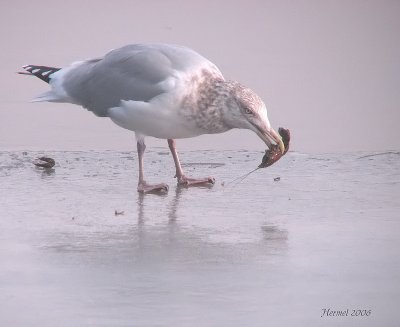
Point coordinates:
[[161, 90]]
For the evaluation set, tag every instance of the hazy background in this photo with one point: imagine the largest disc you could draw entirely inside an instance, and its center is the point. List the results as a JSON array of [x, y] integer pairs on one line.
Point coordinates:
[[328, 70]]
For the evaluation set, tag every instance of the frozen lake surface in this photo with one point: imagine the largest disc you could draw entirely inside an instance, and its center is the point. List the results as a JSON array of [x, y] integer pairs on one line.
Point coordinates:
[[261, 253]]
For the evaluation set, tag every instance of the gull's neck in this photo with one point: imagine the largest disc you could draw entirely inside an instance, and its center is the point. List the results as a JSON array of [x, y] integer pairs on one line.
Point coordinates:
[[210, 100]]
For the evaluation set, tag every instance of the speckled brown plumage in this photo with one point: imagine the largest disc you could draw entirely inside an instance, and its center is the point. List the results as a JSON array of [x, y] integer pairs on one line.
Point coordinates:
[[203, 107]]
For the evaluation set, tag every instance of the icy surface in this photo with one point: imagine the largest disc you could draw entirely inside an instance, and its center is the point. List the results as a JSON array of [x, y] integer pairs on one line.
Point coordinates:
[[259, 253]]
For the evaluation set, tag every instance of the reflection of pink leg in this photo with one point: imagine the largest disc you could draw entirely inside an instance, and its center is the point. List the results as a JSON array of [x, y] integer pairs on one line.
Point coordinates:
[[182, 179], [143, 187]]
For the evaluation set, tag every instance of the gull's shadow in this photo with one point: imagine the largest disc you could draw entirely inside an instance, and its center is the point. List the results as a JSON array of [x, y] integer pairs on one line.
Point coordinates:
[[172, 207], [163, 234]]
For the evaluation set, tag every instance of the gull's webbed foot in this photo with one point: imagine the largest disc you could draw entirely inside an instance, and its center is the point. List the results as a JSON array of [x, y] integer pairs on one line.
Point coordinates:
[[145, 188], [186, 181]]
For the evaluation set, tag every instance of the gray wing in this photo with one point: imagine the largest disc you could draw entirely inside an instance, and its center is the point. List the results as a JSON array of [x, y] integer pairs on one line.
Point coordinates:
[[133, 72]]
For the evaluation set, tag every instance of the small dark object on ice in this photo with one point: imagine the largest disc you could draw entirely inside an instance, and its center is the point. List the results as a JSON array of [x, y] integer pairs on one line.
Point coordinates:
[[273, 154], [277, 179], [45, 162], [117, 213]]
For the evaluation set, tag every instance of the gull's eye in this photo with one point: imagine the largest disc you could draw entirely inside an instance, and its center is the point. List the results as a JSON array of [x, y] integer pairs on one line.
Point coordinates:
[[248, 111]]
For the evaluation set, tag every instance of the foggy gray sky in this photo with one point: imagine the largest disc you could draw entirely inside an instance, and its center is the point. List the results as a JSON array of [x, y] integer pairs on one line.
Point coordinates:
[[327, 70]]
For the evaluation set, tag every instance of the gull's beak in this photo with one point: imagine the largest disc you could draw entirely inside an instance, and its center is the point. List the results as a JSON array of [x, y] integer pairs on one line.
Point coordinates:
[[270, 136]]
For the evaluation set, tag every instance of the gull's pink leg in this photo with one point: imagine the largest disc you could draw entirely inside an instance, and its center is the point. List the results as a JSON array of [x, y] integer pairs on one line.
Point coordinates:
[[182, 179], [143, 187]]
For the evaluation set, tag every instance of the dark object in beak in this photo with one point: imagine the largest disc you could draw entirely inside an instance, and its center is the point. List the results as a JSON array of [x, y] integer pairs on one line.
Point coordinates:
[[45, 162], [273, 154]]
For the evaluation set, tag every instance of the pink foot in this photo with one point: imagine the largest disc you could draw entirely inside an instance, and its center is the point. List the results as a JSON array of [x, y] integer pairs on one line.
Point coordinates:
[[145, 188], [186, 181]]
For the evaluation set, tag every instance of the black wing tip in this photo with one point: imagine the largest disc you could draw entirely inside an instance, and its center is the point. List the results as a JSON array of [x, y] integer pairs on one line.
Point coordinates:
[[42, 72], [24, 73]]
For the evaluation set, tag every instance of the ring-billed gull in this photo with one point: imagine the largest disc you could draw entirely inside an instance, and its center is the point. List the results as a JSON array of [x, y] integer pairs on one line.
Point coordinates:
[[160, 90]]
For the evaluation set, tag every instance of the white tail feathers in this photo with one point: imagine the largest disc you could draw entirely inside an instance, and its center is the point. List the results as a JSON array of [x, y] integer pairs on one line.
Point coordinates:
[[48, 96]]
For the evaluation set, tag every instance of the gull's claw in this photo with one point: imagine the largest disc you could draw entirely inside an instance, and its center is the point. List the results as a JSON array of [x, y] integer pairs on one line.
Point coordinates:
[[156, 188], [186, 181]]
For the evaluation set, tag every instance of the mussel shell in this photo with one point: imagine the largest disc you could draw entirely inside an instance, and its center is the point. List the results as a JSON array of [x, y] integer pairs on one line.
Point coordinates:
[[273, 154]]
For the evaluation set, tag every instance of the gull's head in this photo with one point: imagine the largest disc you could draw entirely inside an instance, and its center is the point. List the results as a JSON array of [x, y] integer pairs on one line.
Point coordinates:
[[247, 110]]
